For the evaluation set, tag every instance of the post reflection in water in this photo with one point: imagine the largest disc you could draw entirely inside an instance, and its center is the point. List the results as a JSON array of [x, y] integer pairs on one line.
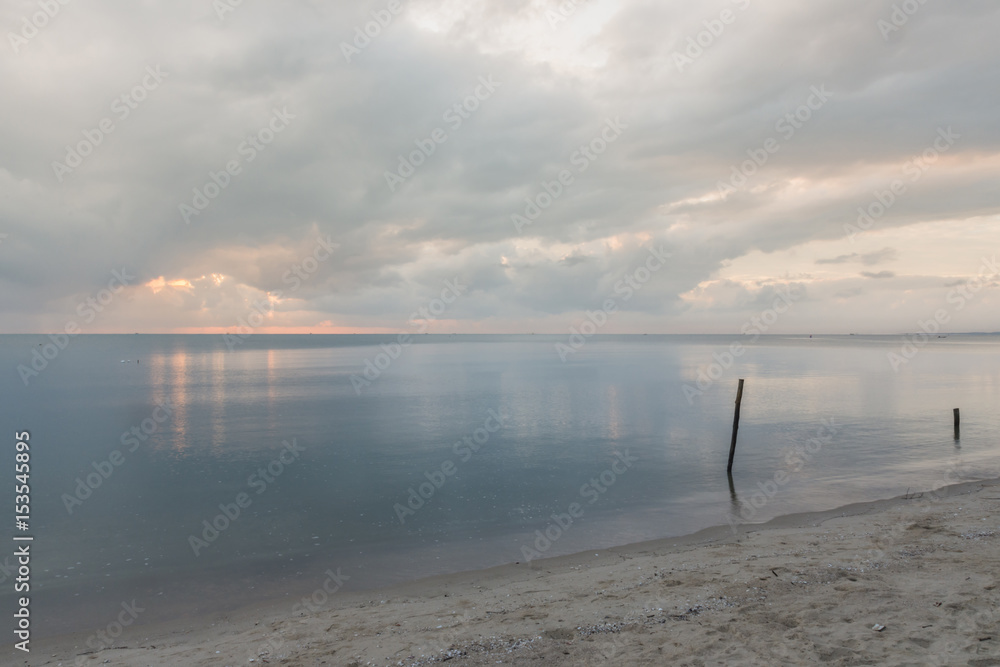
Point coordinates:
[[734, 500]]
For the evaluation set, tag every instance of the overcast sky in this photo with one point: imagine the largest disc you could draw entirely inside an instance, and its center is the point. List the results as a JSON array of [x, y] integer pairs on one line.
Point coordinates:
[[741, 137]]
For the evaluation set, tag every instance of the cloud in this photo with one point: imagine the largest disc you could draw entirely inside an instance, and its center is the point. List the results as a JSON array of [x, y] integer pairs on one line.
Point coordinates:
[[880, 274], [867, 259], [325, 174], [841, 259], [878, 257]]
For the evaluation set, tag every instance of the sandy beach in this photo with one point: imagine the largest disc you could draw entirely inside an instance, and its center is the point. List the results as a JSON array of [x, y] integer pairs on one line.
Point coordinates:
[[906, 581]]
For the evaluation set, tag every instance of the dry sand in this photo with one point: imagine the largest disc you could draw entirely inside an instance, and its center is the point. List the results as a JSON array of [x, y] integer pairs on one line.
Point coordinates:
[[801, 590]]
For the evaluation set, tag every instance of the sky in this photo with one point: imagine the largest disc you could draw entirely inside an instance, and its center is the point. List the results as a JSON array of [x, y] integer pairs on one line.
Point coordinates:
[[472, 167]]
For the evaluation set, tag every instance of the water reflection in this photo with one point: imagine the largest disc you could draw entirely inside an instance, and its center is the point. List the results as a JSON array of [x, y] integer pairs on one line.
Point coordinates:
[[272, 389], [363, 453], [179, 399], [218, 400], [614, 416]]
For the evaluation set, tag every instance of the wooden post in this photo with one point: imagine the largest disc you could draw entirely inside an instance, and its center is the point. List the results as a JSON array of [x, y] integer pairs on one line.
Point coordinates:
[[957, 420], [736, 426]]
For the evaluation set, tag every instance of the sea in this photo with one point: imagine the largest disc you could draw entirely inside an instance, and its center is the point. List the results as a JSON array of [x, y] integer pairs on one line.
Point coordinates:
[[194, 474]]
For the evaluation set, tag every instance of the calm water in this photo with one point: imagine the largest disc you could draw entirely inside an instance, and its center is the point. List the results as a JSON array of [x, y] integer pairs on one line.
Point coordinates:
[[332, 505]]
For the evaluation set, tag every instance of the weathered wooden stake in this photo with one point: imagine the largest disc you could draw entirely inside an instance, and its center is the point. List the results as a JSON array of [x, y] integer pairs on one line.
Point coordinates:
[[957, 420], [736, 426]]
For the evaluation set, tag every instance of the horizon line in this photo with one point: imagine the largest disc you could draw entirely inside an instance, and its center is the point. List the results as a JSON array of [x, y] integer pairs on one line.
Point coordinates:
[[480, 333]]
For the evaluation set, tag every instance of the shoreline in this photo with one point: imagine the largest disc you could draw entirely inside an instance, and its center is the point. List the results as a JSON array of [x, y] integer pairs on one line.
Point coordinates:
[[490, 614]]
